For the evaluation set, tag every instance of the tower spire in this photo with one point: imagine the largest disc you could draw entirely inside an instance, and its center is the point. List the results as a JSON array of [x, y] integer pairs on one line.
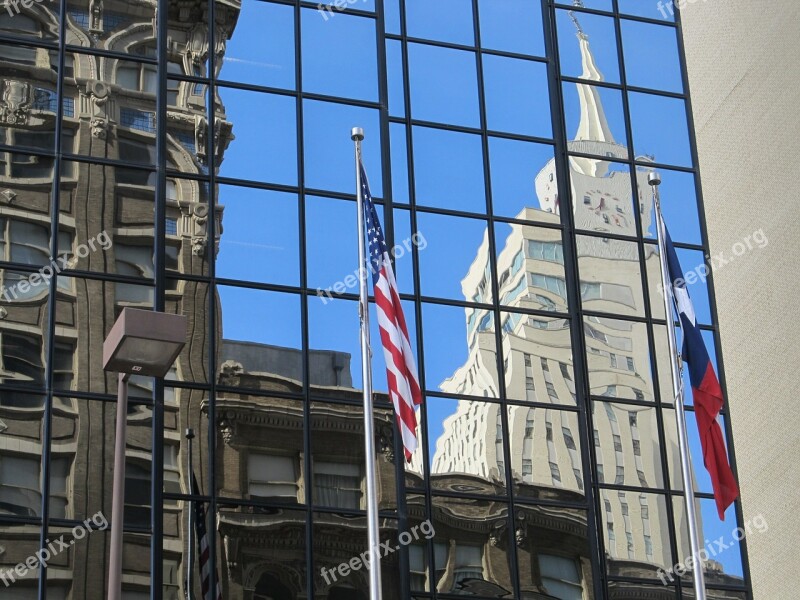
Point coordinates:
[[593, 124]]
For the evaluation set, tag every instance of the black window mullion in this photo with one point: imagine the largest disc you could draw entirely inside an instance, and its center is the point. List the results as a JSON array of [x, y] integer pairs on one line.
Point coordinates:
[[496, 309], [588, 452], [49, 332], [159, 250], [423, 438], [305, 306], [388, 217], [211, 326], [648, 311]]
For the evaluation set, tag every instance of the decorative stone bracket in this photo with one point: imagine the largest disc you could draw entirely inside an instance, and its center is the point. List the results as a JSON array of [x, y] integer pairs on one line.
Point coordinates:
[[15, 108]]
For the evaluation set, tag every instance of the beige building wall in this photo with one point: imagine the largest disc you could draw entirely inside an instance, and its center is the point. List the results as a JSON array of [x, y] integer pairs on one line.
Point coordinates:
[[744, 74]]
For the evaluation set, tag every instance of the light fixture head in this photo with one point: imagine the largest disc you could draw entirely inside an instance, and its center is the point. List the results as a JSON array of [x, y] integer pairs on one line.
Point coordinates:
[[144, 342]]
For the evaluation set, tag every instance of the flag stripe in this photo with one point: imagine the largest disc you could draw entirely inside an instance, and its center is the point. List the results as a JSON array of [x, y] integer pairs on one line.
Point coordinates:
[[202, 543], [401, 369]]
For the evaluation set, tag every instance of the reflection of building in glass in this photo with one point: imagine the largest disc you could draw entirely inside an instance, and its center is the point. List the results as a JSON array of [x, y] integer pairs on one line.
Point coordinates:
[[261, 458], [544, 442], [104, 213]]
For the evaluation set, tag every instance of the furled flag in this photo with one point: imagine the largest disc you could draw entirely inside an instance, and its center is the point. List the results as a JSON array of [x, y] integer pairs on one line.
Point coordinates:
[[202, 543], [401, 369], [706, 390]]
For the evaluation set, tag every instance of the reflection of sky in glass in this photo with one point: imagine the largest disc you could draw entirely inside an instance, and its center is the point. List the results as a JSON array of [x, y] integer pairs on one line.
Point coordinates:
[[328, 155], [324, 72], [602, 37], [659, 128], [262, 50], [329, 149], [452, 244], [511, 25], [277, 136], [259, 316], [394, 67], [679, 206], [443, 20], [646, 46], [398, 149], [264, 245], [368, 5], [455, 102], [514, 165], [647, 8], [271, 61], [526, 111], [456, 183]]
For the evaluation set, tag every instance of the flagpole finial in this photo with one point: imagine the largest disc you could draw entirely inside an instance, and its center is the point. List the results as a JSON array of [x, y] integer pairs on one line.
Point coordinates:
[[357, 134], [654, 178]]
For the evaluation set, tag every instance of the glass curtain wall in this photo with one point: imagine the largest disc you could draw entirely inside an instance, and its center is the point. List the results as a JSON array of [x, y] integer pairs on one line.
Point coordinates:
[[194, 157]]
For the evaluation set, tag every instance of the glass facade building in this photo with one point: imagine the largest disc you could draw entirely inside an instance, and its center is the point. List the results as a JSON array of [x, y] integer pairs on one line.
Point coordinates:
[[194, 156]]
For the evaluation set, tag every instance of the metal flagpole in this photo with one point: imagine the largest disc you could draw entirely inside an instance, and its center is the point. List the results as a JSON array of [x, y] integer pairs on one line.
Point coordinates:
[[357, 135], [678, 392], [190, 525]]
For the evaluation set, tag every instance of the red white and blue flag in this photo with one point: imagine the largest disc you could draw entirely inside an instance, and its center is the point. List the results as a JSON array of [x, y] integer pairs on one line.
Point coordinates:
[[401, 368], [706, 390], [203, 545]]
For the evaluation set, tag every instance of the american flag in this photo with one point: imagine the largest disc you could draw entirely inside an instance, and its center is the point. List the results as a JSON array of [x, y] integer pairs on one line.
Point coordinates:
[[202, 543], [401, 368]]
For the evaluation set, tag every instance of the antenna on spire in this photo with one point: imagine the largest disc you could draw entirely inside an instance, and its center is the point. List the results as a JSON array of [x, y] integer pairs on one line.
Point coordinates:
[[578, 4]]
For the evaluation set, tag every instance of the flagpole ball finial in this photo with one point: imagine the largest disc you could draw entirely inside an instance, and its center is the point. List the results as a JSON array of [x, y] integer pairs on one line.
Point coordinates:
[[357, 134], [654, 178]]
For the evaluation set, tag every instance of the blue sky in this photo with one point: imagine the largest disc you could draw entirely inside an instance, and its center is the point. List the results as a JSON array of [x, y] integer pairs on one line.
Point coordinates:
[[261, 239]]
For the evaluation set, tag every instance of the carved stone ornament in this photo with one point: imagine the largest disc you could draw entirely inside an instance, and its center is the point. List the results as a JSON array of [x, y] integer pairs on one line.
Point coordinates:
[[196, 226], [16, 102], [197, 44], [200, 129], [384, 435], [220, 43], [96, 16], [227, 428], [231, 552], [496, 534], [199, 229], [521, 535], [7, 196], [98, 93], [230, 371]]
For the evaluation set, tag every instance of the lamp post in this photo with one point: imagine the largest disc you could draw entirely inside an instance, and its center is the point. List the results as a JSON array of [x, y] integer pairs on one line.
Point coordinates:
[[190, 525], [141, 342]]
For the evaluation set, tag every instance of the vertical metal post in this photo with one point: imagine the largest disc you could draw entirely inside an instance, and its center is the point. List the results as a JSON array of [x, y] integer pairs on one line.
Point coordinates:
[[357, 135], [189, 565], [118, 492], [678, 392]]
